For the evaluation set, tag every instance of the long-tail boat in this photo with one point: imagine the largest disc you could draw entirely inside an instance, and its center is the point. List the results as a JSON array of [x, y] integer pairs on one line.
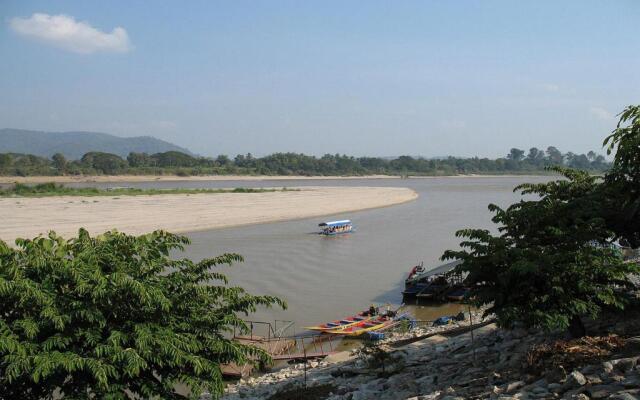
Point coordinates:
[[340, 323], [379, 322]]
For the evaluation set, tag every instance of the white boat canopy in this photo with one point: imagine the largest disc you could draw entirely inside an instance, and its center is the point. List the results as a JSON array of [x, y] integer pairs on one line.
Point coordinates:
[[336, 223]]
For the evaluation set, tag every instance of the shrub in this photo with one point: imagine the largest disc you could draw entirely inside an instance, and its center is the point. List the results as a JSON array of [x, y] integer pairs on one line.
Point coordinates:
[[114, 316]]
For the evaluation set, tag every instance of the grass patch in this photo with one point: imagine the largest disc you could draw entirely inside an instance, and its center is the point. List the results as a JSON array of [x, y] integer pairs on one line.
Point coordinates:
[[53, 189]]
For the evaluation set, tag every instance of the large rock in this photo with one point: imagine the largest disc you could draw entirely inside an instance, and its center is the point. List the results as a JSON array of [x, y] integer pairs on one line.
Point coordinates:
[[431, 396], [514, 386], [580, 396], [557, 374], [623, 396], [632, 345], [576, 379], [625, 365], [603, 391], [607, 367]]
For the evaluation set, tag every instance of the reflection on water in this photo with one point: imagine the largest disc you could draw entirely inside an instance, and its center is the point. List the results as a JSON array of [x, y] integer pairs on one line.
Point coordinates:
[[324, 278]]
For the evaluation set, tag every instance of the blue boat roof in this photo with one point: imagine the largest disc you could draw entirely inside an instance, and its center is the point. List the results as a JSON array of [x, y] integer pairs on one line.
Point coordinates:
[[336, 223]]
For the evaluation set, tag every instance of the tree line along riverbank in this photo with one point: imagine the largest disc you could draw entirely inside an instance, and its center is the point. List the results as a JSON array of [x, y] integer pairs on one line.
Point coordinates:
[[517, 161]]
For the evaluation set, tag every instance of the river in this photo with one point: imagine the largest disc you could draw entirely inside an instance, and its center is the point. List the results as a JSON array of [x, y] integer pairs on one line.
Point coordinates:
[[325, 278]]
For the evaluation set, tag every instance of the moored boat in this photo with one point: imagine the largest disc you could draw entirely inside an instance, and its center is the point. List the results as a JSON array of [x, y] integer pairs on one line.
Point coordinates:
[[332, 228], [415, 271], [341, 323], [373, 324], [420, 274], [442, 283]]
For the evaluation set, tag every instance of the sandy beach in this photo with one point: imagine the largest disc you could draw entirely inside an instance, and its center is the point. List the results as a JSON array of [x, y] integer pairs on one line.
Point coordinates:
[[29, 217], [174, 178], [171, 178]]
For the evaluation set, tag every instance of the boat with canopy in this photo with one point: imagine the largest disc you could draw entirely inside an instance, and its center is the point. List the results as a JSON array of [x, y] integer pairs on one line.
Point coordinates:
[[331, 228]]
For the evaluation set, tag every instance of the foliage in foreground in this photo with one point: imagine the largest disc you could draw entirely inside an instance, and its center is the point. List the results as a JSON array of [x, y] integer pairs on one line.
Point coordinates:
[[622, 197], [100, 317], [553, 260]]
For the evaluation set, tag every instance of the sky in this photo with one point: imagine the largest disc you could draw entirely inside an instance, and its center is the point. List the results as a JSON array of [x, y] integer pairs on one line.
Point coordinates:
[[377, 78]]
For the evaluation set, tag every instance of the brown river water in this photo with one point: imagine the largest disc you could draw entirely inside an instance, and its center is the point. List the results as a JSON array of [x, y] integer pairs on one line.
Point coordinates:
[[326, 278]]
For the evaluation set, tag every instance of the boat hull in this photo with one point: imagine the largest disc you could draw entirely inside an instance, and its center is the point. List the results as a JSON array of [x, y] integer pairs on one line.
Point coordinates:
[[339, 324], [336, 233], [359, 329]]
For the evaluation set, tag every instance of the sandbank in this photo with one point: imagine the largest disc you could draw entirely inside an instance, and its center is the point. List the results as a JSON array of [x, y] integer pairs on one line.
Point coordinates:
[[179, 213], [172, 178], [199, 178]]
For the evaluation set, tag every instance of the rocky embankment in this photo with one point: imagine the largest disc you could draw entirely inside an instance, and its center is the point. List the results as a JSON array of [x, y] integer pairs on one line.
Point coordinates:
[[491, 364]]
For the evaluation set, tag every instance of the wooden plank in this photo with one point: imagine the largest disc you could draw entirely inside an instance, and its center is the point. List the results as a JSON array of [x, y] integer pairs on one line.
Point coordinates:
[[274, 347]]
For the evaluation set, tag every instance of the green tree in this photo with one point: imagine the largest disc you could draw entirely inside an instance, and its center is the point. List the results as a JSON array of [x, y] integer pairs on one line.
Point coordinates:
[[554, 156], [5, 160], [137, 160], [114, 316], [106, 163], [174, 159], [515, 154], [552, 261], [535, 156], [59, 162], [623, 179], [223, 160]]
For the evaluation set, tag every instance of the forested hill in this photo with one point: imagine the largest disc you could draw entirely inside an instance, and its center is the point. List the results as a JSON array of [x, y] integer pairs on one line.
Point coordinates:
[[174, 162], [74, 145]]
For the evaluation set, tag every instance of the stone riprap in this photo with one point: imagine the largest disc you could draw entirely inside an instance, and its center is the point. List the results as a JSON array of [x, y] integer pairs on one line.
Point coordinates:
[[447, 368]]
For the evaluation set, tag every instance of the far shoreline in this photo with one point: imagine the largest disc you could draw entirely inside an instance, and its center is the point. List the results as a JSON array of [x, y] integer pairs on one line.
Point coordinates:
[[203, 178]]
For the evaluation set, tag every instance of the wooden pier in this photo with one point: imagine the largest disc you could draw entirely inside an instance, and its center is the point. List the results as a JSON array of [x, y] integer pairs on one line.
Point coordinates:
[[273, 346], [309, 347], [280, 347]]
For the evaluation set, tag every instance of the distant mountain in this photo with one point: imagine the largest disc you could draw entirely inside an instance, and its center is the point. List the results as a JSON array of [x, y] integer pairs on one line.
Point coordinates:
[[75, 144]]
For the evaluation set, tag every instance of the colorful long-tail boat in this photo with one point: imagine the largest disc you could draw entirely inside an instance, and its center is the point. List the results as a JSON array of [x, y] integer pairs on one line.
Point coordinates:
[[340, 323], [373, 324]]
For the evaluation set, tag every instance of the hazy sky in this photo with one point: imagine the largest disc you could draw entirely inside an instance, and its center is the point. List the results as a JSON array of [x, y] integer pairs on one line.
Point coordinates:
[[358, 77]]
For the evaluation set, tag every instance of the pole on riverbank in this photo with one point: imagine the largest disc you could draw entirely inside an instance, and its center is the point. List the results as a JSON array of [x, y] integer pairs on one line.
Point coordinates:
[[473, 346], [304, 351]]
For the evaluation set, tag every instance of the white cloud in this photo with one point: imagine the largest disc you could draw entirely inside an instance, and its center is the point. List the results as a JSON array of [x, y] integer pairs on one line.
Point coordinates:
[[66, 33], [601, 114]]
